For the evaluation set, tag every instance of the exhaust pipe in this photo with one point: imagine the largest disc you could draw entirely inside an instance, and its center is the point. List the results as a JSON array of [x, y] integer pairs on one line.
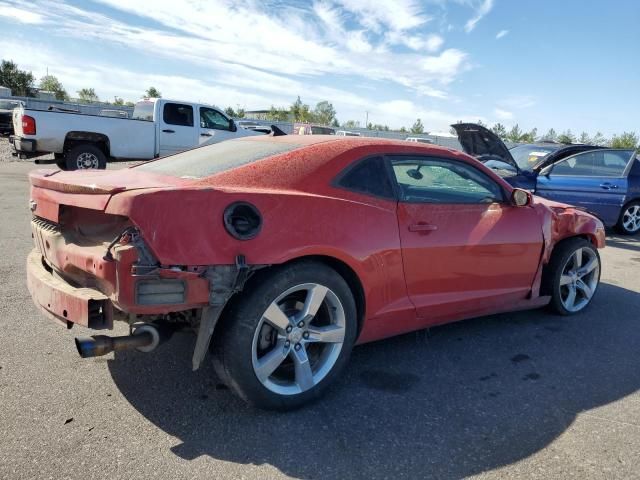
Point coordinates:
[[144, 338]]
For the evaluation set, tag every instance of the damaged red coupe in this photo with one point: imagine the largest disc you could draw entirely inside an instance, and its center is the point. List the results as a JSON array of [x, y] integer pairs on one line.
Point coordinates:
[[282, 253]]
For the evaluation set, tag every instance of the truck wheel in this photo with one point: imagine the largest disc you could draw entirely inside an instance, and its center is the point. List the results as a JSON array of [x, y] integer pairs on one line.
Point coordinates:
[[573, 275], [85, 156], [288, 337]]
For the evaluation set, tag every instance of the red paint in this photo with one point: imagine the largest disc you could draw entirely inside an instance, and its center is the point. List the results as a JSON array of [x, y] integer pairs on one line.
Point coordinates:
[[419, 264]]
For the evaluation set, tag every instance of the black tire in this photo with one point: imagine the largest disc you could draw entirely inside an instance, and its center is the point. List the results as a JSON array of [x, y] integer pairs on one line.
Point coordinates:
[[61, 162], [91, 152], [233, 342], [629, 209], [560, 258]]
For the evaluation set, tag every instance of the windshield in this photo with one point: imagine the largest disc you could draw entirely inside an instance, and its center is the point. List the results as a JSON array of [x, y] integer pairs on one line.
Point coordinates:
[[526, 156], [219, 157]]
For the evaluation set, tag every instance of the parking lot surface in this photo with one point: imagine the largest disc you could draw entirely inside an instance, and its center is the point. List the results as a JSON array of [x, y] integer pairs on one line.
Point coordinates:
[[528, 395]]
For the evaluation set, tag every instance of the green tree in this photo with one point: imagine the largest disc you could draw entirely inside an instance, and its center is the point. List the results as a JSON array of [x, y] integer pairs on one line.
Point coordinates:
[[599, 139], [481, 123], [626, 140], [550, 136], [530, 136], [500, 130], [49, 83], [231, 113], [335, 123], [278, 114], [351, 124], [301, 112], [566, 137], [584, 138], [118, 101], [130, 104], [152, 92], [417, 127], [403, 129], [324, 113], [514, 134], [88, 95], [19, 81]]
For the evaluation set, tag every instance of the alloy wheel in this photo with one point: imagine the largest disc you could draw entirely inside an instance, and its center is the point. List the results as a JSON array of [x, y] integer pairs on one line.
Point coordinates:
[[298, 339], [631, 219], [579, 279], [86, 160]]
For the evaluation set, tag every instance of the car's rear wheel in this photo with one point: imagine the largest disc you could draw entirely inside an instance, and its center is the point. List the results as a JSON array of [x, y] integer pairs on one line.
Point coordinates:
[[85, 156], [629, 221], [287, 338], [573, 275]]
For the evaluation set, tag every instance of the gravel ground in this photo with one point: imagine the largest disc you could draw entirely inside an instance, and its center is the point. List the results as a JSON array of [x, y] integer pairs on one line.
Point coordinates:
[[6, 149], [522, 395]]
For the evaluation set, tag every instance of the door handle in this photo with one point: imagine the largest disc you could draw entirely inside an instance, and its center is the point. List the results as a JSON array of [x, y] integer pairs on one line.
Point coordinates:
[[608, 186], [169, 131], [422, 227], [205, 134]]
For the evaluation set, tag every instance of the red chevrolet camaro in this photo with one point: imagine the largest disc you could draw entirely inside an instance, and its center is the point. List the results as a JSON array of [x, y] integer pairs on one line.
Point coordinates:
[[282, 253]]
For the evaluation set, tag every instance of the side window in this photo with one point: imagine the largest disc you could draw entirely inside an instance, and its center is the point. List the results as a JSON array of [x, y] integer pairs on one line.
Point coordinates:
[[596, 163], [434, 180], [178, 114], [368, 176], [210, 118]]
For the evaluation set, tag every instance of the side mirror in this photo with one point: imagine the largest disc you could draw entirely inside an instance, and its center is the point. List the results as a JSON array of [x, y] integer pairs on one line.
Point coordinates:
[[520, 198], [232, 126]]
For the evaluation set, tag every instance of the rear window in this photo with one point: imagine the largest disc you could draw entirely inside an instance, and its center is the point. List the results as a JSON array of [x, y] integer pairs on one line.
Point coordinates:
[[219, 157], [143, 111]]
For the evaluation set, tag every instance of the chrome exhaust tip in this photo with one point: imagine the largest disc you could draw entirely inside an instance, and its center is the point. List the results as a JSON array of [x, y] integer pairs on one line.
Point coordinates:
[[145, 338]]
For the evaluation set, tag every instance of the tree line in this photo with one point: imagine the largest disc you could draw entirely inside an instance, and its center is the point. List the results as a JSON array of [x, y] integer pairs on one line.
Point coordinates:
[[23, 83]]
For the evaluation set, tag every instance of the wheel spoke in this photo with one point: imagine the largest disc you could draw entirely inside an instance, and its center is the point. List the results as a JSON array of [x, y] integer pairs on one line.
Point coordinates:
[[588, 268], [276, 317], [565, 280], [586, 290], [571, 297], [577, 259], [304, 375], [315, 297], [272, 360], [328, 334]]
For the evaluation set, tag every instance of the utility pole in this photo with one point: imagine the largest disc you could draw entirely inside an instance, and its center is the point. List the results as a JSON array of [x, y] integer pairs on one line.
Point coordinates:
[[366, 122]]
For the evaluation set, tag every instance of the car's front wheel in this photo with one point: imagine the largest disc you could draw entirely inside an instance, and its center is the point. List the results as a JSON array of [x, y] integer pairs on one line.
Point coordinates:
[[85, 156], [573, 275], [629, 221], [285, 340]]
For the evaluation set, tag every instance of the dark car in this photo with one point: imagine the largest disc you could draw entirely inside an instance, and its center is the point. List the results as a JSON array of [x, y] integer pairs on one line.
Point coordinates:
[[6, 115], [601, 180]]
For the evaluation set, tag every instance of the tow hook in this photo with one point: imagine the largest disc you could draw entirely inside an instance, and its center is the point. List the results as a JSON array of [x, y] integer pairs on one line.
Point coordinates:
[[144, 338]]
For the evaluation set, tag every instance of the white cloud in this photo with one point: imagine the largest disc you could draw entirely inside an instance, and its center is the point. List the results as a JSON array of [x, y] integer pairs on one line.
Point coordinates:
[[483, 9], [502, 33], [20, 15], [434, 42], [518, 101], [503, 114]]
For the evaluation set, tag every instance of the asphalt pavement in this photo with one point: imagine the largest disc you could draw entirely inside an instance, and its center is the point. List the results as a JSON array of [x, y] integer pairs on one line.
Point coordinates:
[[522, 395]]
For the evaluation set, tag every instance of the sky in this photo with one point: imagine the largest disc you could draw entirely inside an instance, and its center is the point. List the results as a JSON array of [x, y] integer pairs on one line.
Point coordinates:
[[570, 64]]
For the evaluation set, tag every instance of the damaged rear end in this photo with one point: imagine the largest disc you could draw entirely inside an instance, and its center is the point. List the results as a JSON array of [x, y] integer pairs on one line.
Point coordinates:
[[92, 264]]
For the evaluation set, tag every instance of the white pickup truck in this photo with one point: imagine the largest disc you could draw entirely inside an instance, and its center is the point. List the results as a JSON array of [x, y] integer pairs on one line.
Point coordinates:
[[158, 127]]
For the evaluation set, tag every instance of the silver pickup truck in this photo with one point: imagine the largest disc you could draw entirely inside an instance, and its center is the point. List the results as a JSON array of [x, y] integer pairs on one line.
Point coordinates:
[[158, 127]]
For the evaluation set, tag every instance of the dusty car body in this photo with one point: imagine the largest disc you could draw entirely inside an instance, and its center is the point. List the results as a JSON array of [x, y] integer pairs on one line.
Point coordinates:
[[288, 251], [604, 181]]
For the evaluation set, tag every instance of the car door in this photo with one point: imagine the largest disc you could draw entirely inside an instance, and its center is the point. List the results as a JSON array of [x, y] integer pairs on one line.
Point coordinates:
[[214, 126], [466, 250], [177, 132], [595, 180]]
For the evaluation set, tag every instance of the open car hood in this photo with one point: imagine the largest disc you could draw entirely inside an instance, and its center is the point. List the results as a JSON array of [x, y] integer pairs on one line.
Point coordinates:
[[482, 143]]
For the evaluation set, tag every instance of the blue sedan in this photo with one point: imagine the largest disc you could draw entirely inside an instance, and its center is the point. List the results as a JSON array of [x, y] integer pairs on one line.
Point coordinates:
[[606, 182]]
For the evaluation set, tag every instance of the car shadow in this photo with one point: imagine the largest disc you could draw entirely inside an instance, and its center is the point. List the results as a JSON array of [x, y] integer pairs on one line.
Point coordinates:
[[627, 242], [458, 400]]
